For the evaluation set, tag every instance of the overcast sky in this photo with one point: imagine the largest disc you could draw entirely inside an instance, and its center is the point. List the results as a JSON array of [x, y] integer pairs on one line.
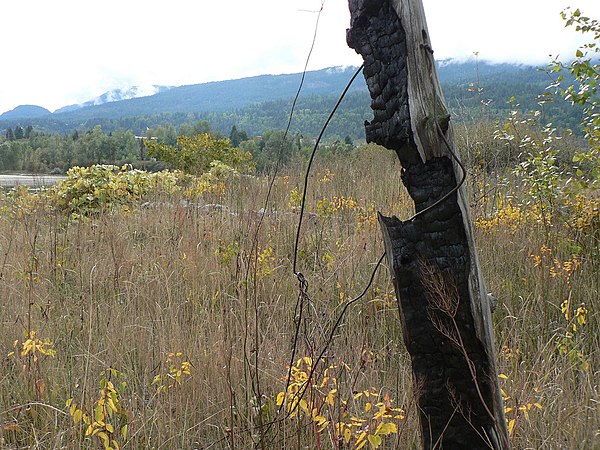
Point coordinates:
[[62, 52]]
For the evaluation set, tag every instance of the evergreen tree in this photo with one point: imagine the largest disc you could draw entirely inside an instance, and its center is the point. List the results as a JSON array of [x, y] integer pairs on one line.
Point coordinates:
[[9, 134], [237, 137], [19, 133], [233, 136]]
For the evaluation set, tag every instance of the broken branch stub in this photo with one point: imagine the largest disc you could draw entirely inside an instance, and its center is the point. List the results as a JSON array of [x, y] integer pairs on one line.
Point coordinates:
[[444, 309]]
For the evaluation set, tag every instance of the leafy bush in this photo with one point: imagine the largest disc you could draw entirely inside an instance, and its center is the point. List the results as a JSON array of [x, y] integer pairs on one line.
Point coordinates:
[[585, 69], [195, 154], [88, 190]]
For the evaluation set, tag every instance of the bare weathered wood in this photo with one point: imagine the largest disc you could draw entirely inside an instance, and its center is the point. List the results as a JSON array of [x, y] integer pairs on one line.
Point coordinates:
[[444, 308]]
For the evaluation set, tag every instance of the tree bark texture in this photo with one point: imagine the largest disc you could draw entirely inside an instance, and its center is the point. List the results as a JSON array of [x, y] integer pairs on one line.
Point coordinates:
[[444, 308]]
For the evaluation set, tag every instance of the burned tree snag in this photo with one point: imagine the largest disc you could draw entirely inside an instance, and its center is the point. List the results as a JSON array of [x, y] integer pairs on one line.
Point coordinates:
[[444, 309]]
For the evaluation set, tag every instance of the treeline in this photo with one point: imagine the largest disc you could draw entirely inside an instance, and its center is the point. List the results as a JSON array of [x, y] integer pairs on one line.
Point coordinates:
[[26, 150], [30, 151]]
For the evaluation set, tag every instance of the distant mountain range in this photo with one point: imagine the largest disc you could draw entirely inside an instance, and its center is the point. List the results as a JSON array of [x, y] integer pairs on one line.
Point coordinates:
[[25, 112], [258, 103], [200, 98], [116, 95]]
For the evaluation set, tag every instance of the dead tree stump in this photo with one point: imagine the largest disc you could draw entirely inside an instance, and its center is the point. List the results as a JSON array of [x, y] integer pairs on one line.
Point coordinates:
[[444, 308]]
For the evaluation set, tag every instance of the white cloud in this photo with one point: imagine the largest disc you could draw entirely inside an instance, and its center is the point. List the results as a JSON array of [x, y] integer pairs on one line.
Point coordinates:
[[524, 31], [68, 51]]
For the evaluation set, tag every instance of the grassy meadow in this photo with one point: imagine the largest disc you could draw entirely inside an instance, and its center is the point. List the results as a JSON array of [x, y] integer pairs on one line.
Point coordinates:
[[168, 321]]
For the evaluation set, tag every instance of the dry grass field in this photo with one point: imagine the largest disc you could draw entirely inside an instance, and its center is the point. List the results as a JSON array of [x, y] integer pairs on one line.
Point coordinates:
[[169, 323]]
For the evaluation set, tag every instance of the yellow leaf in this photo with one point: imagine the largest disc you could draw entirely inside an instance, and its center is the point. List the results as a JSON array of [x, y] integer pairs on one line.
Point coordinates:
[[361, 438], [511, 426], [304, 405], [503, 376], [102, 435], [77, 415], [319, 419], [111, 404], [368, 406], [323, 426], [361, 445], [110, 428], [347, 434], [280, 398], [331, 397]]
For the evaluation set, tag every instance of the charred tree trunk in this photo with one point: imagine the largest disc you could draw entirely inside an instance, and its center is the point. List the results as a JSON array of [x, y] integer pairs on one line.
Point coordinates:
[[444, 309]]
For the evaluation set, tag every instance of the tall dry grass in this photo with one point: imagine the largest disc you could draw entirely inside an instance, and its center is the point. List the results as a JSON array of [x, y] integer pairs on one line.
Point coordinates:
[[213, 280]]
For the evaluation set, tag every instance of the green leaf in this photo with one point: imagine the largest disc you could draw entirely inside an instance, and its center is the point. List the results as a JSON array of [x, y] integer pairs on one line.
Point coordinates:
[[98, 414], [386, 428], [375, 441]]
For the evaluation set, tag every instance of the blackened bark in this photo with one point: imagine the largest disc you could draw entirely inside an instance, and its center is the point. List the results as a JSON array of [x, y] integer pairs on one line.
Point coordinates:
[[377, 34], [446, 322], [451, 409]]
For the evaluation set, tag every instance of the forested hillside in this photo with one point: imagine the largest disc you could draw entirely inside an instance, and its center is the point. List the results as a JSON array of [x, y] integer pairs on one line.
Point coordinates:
[[262, 103]]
